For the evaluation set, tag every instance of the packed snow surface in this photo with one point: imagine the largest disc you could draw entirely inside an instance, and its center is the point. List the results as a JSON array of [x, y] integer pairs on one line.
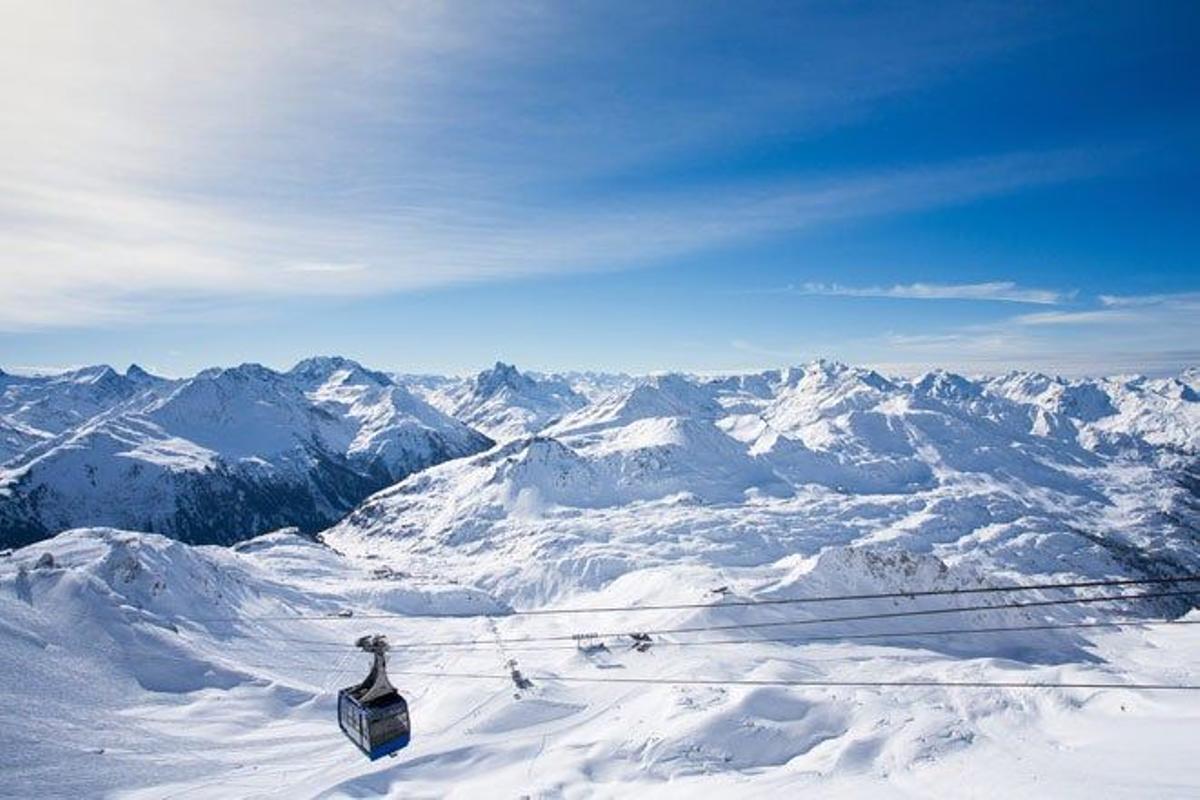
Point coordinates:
[[140, 666]]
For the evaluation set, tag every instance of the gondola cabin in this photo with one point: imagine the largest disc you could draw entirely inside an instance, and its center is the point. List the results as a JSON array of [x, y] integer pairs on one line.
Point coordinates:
[[372, 714]]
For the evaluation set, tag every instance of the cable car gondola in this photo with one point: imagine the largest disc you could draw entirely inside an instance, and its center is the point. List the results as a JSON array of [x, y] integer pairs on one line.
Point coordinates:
[[372, 714]]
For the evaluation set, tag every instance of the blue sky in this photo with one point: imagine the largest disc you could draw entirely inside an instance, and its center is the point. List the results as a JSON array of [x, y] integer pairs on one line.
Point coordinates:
[[699, 186]]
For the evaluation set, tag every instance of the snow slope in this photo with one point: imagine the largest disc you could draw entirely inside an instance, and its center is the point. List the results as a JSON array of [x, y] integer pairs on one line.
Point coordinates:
[[142, 667], [35, 408], [230, 453]]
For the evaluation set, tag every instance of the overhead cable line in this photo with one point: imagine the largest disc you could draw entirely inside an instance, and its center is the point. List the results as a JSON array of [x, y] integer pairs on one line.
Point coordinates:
[[783, 683], [924, 612], [814, 683], [540, 612], [420, 646]]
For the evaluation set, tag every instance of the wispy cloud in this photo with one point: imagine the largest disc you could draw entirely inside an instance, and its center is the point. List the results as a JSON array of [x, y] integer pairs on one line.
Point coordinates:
[[998, 291], [327, 267], [109, 252], [1147, 334], [1182, 300], [1121, 309], [161, 156], [982, 350], [1095, 317]]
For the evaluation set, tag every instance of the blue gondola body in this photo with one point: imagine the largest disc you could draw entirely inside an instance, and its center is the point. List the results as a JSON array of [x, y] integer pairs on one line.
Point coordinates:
[[373, 714], [378, 728]]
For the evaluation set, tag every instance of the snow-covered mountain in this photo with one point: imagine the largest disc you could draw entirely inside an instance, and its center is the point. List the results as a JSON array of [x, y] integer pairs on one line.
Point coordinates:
[[1116, 413], [210, 671], [505, 403], [1011, 475], [35, 408], [229, 453], [595, 385]]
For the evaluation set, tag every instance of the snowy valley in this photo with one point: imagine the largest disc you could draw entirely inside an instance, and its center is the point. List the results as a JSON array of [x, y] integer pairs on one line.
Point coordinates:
[[191, 560]]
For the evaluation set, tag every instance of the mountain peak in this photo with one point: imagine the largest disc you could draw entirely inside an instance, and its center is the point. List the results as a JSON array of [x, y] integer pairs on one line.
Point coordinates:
[[97, 373], [826, 372], [321, 368], [948, 385], [506, 403], [499, 376], [246, 371], [134, 372], [826, 366], [324, 364]]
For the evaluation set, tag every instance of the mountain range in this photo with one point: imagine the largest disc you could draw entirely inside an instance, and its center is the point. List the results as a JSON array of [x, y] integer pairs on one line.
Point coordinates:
[[214, 458], [938, 461], [770, 537], [1022, 473]]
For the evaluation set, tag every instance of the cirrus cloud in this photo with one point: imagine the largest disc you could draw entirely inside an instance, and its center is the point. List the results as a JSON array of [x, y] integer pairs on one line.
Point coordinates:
[[997, 291], [158, 157]]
